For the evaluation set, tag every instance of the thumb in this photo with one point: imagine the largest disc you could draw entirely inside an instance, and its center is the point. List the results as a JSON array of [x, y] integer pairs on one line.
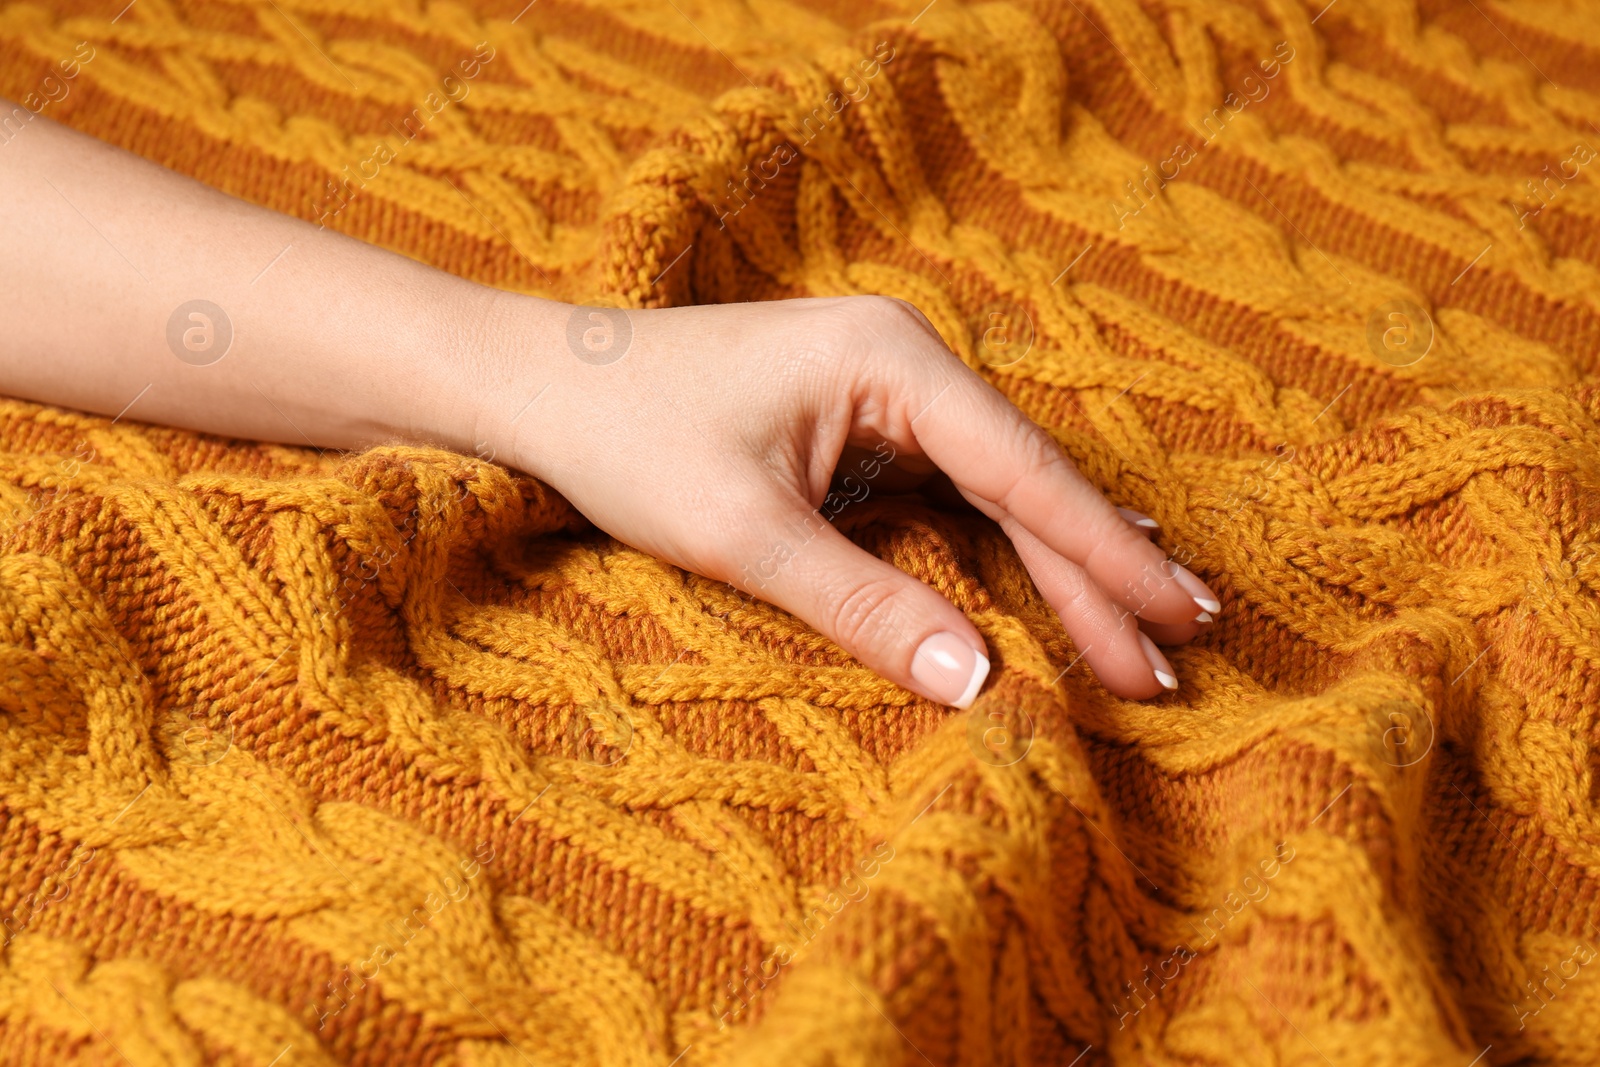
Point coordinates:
[[891, 622]]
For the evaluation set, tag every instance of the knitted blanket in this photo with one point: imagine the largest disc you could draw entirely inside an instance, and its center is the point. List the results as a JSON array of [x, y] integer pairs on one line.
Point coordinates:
[[392, 758]]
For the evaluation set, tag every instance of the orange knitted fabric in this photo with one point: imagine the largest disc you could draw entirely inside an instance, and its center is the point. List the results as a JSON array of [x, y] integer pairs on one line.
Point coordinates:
[[391, 758]]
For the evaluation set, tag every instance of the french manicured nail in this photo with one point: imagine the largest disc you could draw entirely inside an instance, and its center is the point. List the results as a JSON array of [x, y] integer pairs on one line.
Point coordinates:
[[1198, 590], [1139, 518], [1158, 663], [1204, 616], [949, 669]]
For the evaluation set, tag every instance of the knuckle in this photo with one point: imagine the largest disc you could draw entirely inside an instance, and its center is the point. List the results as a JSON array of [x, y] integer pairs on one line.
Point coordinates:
[[904, 309], [1037, 459], [888, 314], [863, 611]]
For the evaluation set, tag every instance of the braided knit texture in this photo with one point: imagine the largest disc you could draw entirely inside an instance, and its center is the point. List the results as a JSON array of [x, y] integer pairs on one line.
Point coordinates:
[[392, 758]]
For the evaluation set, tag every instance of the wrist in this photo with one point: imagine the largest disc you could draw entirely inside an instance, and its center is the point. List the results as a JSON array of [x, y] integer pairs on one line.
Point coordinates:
[[496, 359]]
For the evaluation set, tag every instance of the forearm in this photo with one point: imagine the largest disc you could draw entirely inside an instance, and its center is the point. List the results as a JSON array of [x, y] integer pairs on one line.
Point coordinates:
[[314, 337], [707, 436]]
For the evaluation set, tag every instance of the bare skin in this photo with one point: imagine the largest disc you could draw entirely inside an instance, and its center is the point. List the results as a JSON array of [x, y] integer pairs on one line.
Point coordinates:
[[702, 435]]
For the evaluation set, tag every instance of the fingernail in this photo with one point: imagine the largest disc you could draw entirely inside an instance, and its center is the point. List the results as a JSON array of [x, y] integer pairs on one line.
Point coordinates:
[[1204, 616], [1198, 590], [1158, 663], [949, 669], [1139, 518]]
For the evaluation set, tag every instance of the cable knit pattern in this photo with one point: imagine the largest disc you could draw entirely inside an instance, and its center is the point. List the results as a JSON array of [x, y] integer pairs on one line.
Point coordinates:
[[391, 758]]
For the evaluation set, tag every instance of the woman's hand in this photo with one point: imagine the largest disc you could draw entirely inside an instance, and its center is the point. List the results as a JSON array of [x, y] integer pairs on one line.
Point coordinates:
[[709, 436], [703, 435]]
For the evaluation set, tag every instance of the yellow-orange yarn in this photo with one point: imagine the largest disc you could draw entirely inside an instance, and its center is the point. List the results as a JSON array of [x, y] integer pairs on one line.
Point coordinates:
[[392, 759]]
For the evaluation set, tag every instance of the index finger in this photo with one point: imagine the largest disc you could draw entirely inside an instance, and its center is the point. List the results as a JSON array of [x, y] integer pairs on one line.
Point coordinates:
[[1006, 465]]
